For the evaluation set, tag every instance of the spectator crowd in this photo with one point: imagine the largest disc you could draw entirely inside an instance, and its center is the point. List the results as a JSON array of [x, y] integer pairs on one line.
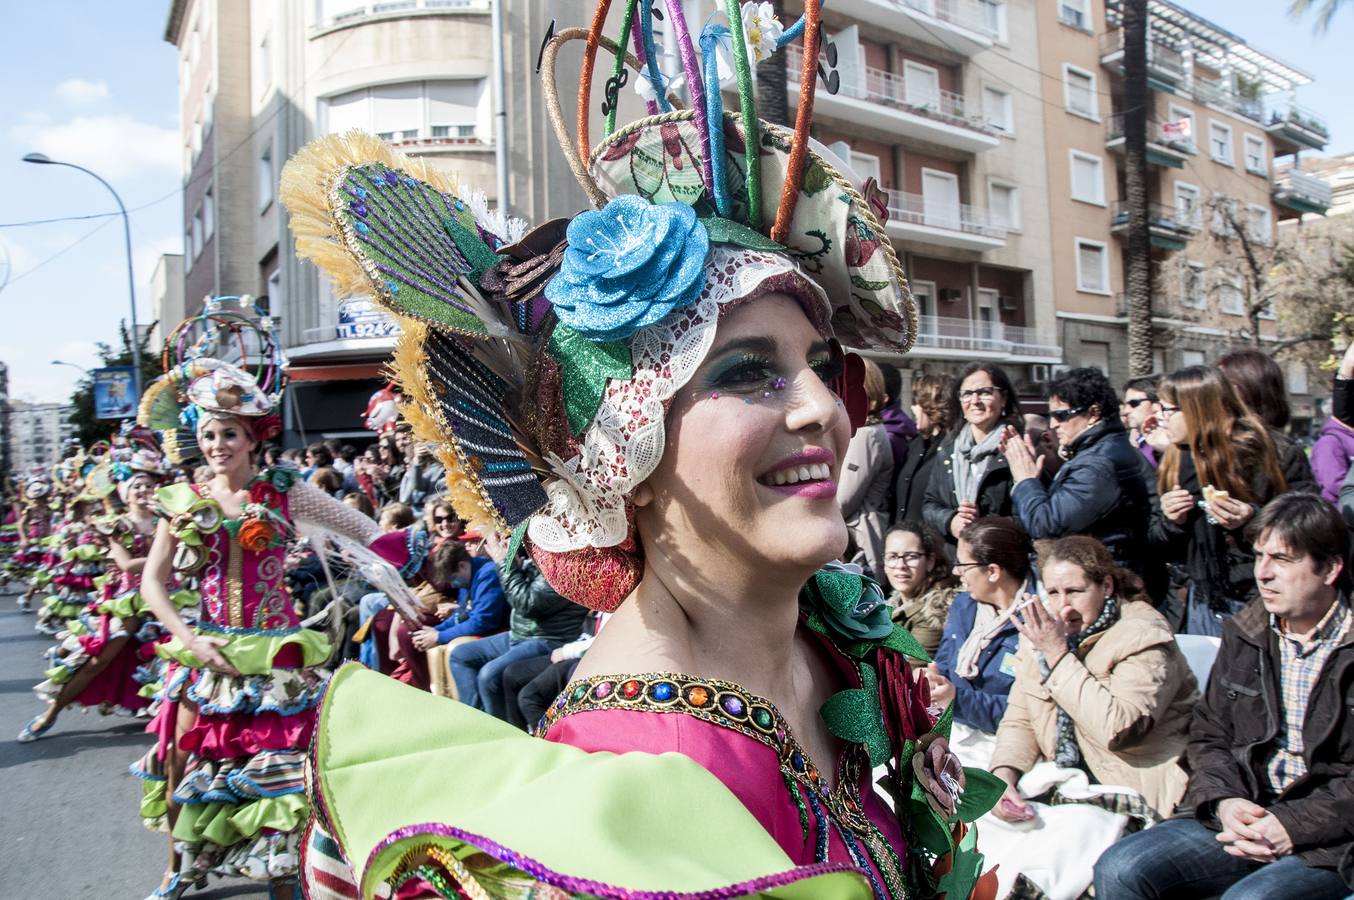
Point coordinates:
[[1138, 602]]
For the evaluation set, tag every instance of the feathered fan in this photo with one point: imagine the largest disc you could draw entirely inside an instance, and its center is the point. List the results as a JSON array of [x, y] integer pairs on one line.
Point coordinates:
[[159, 411], [393, 228]]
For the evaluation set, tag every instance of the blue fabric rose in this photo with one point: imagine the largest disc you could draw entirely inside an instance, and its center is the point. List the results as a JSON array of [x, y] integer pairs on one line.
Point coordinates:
[[627, 266]]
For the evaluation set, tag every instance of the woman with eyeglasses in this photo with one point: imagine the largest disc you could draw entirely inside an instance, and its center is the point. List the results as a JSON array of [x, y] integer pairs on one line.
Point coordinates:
[[1101, 488], [971, 478], [975, 662], [923, 584], [1217, 472], [933, 411]]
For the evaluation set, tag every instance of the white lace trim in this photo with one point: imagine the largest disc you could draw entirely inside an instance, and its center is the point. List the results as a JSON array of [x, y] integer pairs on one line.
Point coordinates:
[[625, 441]]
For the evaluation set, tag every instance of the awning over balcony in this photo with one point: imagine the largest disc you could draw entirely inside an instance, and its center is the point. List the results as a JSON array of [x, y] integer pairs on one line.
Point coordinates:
[[349, 372]]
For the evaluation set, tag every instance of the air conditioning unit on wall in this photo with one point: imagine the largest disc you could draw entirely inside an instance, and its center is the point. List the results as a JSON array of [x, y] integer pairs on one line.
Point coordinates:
[[1010, 304]]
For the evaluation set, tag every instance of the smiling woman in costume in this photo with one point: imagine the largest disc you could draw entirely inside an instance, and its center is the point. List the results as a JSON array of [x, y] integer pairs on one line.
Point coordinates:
[[238, 706], [651, 398]]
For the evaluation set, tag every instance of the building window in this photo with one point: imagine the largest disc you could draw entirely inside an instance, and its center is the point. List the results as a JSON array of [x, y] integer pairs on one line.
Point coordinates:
[[275, 305], [1088, 178], [924, 293], [1187, 205], [1220, 142], [208, 215], [1003, 202], [265, 177], [997, 110], [992, 13], [1297, 379], [188, 249], [1183, 119], [1230, 299], [195, 234], [1192, 292], [866, 165], [1191, 358], [1076, 13], [417, 110], [1093, 267], [1259, 224], [1256, 163], [1079, 92]]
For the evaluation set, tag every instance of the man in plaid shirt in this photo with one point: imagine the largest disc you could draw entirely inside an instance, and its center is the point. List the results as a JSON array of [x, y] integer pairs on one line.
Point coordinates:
[[1270, 807]]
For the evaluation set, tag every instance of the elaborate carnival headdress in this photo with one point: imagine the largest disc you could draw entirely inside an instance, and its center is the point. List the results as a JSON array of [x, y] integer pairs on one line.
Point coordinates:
[[197, 386], [542, 363]]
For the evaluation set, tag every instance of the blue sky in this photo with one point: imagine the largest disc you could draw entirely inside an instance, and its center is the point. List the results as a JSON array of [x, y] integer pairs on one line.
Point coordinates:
[[96, 85]]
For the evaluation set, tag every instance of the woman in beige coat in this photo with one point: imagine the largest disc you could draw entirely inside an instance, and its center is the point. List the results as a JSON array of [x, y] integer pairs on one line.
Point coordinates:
[[1100, 684]]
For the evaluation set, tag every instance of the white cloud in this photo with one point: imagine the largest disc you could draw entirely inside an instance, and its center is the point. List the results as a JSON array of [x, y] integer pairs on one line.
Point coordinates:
[[114, 146], [79, 91]]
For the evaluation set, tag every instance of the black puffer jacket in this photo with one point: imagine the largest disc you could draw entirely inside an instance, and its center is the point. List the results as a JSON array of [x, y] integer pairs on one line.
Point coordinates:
[[994, 492], [1098, 491]]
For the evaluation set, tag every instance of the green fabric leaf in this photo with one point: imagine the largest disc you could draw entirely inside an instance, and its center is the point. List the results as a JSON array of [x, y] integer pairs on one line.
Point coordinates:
[[932, 833], [472, 247], [906, 643], [946, 720], [854, 715], [519, 534], [982, 790], [965, 866], [585, 367], [727, 231], [816, 179]]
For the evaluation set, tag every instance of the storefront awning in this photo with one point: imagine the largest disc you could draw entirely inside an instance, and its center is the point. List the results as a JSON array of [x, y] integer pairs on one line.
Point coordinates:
[[346, 372]]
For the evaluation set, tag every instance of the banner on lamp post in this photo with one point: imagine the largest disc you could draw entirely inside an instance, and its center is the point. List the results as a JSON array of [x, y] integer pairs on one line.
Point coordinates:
[[114, 392]]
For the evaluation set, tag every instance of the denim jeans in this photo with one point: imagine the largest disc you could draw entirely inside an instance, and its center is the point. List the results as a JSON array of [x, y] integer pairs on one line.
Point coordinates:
[[1181, 858], [477, 668]]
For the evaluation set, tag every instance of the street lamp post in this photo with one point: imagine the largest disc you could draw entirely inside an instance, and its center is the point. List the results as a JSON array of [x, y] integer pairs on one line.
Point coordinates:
[[57, 362], [44, 160]]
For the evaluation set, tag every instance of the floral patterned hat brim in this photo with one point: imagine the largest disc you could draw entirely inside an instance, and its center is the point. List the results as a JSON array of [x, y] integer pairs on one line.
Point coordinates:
[[835, 235]]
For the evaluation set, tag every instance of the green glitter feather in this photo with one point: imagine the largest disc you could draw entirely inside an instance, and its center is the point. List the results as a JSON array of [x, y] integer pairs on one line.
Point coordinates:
[[585, 368]]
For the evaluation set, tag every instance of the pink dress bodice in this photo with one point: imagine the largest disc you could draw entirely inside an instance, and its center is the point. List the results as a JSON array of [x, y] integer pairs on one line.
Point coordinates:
[[244, 588]]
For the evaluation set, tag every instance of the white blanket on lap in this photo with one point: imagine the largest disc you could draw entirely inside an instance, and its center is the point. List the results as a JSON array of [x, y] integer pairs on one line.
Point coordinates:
[[1058, 849]]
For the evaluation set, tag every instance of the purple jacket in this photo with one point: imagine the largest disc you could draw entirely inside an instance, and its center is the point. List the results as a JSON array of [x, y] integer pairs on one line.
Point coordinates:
[[900, 428], [1330, 457]]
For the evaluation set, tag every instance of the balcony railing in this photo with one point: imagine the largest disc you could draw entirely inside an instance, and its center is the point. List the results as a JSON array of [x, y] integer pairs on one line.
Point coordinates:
[[891, 89], [947, 333], [1114, 130], [974, 15], [340, 13], [1223, 97], [1161, 58], [1159, 216], [1286, 113], [1303, 191], [917, 210]]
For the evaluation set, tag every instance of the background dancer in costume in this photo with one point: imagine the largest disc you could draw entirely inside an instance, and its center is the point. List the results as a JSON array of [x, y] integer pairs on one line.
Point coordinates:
[[99, 667], [35, 525], [238, 705]]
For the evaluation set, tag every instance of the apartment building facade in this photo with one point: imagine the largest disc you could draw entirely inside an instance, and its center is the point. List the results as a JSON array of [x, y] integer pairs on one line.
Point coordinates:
[[37, 432], [1220, 114], [940, 101], [261, 78]]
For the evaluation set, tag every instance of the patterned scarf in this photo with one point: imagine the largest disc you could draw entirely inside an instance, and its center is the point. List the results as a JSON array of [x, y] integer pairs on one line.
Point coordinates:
[[1067, 752], [971, 462]]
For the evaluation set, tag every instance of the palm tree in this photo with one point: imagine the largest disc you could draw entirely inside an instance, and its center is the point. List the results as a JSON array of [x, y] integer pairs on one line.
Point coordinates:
[[1326, 10], [1138, 262]]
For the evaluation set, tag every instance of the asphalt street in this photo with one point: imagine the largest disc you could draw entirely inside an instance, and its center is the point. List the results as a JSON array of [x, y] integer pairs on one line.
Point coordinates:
[[68, 806]]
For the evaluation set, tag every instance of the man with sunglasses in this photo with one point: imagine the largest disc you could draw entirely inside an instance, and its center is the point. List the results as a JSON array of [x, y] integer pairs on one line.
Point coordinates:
[[1139, 405], [1101, 489]]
